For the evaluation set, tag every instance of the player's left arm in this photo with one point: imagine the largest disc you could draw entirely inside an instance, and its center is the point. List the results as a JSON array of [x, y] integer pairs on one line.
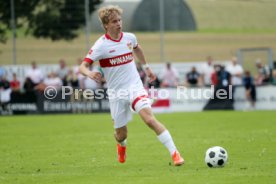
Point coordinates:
[[138, 52]]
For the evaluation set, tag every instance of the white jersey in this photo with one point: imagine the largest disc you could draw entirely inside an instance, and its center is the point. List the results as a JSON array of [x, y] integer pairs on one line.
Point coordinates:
[[117, 60]]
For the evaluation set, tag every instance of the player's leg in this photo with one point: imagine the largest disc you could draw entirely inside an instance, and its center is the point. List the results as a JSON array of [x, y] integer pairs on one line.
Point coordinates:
[[148, 117], [121, 115], [162, 133], [121, 136], [142, 105]]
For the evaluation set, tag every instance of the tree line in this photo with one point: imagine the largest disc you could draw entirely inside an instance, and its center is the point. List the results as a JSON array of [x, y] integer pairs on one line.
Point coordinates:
[[54, 19]]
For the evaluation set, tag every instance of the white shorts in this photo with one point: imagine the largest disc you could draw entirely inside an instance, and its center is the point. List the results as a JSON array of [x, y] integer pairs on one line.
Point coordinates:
[[121, 109]]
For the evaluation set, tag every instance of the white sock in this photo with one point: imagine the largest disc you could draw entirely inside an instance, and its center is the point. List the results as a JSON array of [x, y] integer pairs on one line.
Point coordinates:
[[123, 143], [166, 139]]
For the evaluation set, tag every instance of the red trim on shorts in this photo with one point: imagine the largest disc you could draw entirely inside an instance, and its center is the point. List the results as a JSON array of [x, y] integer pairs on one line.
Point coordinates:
[[88, 60], [136, 100], [117, 60], [109, 38]]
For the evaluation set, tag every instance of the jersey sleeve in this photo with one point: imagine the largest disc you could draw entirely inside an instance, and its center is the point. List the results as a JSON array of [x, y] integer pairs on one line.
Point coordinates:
[[94, 54], [134, 41]]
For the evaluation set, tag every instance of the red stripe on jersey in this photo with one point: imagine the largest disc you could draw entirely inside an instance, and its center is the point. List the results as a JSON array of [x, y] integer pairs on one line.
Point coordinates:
[[109, 38], [90, 61], [116, 61], [136, 100]]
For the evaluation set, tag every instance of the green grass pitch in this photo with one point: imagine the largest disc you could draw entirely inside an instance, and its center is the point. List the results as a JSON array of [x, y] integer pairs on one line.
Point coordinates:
[[73, 149]]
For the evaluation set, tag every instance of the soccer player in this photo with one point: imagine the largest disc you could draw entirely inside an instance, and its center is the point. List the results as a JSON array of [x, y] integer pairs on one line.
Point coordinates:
[[114, 51]]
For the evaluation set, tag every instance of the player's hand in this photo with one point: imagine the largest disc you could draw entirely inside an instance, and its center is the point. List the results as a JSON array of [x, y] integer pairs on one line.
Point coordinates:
[[97, 76], [151, 75]]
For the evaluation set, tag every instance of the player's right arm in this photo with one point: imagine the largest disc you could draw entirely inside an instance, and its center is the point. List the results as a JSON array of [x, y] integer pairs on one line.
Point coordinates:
[[84, 69], [94, 54]]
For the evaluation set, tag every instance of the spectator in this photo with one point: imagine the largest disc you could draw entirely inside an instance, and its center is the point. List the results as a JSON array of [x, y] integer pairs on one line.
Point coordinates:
[[90, 84], [15, 87], [76, 67], [169, 77], [154, 84], [236, 72], [15, 84], [263, 75], [5, 92], [81, 78], [4, 83], [221, 79], [2, 72], [62, 71], [28, 85], [214, 75], [193, 78], [250, 89], [224, 78], [206, 71], [35, 74], [72, 79], [53, 80], [29, 90], [274, 77]]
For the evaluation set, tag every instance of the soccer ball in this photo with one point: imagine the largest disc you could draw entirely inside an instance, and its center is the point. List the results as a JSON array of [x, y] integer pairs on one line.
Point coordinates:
[[216, 156]]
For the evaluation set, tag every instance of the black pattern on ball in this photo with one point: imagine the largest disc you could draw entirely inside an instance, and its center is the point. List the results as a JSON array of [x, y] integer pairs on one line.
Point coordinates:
[[222, 151], [212, 154], [220, 162], [209, 165]]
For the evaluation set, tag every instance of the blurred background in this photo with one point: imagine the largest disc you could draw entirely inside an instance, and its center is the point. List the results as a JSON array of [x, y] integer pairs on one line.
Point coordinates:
[[53, 36], [50, 132]]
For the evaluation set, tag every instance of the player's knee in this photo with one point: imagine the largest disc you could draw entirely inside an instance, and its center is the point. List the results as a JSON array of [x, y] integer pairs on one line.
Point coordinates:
[[121, 136]]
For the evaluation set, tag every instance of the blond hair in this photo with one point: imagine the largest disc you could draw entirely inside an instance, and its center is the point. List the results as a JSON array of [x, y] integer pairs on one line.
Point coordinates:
[[106, 12]]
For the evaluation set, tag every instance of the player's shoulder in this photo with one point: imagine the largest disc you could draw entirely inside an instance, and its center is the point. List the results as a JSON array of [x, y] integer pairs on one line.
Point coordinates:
[[99, 42], [129, 35]]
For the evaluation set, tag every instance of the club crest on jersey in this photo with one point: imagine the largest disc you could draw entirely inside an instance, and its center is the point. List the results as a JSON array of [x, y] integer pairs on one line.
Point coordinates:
[[129, 45]]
